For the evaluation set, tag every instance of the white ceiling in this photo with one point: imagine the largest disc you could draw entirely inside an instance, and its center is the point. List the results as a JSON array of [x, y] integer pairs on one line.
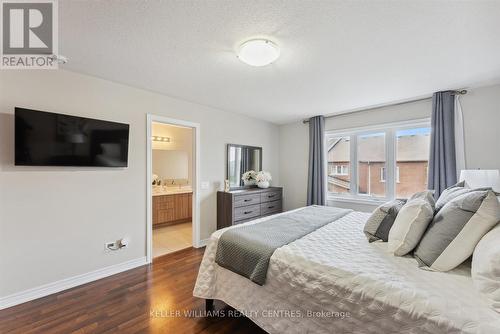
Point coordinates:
[[335, 55]]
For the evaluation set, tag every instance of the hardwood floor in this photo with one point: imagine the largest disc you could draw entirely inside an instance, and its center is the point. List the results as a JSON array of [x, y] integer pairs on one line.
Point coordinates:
[[141, 300]]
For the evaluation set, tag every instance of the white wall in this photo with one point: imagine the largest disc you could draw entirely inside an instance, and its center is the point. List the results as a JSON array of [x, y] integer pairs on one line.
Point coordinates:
[[54, 221], [482, 127], [481, 109]]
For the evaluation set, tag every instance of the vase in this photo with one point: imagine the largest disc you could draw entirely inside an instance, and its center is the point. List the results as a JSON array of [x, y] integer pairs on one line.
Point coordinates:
[[249, 182], [263, 184]]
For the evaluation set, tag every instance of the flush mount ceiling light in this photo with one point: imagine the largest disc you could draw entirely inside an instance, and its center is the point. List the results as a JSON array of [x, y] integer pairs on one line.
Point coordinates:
[[258, 52]]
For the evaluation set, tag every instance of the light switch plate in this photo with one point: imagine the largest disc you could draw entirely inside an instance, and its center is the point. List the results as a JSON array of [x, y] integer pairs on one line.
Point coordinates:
[[205, 185]]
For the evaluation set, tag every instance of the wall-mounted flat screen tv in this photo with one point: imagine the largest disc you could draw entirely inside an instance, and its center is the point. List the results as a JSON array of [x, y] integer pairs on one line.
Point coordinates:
[[50, 139]]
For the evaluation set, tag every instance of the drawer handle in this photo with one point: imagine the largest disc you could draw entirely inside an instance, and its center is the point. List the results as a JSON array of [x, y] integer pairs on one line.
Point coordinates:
[[247, 212], [247, 200], [270, 207], [270, 196]]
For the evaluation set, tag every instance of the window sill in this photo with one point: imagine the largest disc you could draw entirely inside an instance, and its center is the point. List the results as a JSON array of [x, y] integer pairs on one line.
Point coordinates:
[[357, 200]]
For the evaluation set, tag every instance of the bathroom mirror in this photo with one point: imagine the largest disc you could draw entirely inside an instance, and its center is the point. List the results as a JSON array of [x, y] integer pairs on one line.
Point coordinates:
[[171, 164], [240, 159]]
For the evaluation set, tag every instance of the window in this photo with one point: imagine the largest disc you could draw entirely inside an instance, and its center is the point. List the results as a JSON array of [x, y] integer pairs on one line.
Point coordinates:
[[383, 173], [339, 170], [379, 163], [371, 160], [339, 180], [412, 157]]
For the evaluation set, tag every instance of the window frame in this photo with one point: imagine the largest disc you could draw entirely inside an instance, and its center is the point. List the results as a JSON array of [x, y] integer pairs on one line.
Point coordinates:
[[390, 130], [344, 170]]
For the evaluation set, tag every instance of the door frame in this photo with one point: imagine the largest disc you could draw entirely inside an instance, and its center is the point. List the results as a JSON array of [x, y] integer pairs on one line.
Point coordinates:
[[195, 183]]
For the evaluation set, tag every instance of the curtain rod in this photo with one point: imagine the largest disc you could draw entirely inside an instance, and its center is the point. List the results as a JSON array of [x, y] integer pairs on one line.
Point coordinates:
[[456, 92]]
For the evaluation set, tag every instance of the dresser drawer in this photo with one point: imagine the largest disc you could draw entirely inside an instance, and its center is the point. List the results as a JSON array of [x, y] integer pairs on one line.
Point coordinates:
[[270, 207], [244, 200], [270, 196], [243, 205], [246, 212]]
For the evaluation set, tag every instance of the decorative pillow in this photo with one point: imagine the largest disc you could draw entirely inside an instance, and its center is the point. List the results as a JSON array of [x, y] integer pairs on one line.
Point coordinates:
[[485, 269], [450, 193], [454, 191], [380, 222], [411, 222], [427, 195], [456, 229]]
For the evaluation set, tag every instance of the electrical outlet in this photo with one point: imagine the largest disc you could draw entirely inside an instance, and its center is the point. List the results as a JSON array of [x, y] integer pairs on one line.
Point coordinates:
[[205, 185], [109, 246], [116, 245]]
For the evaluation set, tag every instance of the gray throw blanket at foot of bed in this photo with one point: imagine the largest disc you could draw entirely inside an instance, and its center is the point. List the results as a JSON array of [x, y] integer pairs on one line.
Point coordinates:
[[247, 249]]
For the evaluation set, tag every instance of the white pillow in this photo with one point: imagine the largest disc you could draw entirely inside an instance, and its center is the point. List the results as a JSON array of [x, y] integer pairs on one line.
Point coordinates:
[[410, 224], [485, 269], [457, 229]]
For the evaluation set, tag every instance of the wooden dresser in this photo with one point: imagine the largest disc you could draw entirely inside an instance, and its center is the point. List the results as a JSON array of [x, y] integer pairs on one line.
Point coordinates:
[[239, 206], [172, 209]]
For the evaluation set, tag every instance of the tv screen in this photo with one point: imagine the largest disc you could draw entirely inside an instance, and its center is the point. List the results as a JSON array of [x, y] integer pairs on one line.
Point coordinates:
[[49, 139]]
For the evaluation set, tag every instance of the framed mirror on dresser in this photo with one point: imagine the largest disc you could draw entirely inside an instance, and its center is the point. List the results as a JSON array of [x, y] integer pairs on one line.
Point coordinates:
[[242, 202], [241, 159]]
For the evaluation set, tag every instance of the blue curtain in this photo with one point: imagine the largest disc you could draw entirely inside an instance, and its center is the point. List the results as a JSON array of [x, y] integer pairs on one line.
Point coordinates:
[[316, 182], [442, 160]]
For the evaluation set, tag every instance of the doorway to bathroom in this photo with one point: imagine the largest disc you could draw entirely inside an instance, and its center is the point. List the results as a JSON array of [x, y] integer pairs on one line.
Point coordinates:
[[172, 179]]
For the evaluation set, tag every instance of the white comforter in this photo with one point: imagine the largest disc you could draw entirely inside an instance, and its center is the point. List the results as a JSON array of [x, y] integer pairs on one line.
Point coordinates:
[[334, 281]]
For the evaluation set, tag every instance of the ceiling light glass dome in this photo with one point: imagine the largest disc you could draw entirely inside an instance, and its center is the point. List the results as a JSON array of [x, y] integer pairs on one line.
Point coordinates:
[[258, 52]]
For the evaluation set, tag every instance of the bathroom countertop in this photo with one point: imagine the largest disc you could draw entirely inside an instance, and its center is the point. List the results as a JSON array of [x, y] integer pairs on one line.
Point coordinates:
[[172, 191]]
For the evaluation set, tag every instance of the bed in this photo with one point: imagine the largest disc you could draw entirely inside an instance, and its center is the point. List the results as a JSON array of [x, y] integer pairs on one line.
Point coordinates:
[[333, 280]]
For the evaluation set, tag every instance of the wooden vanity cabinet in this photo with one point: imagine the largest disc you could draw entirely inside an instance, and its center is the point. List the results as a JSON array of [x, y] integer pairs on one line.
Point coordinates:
[[172, 209]]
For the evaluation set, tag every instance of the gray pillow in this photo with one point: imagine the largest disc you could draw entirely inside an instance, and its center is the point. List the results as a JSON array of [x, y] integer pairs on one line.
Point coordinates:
[[450, 193], [380, 222], [454, 191], [456, 229]]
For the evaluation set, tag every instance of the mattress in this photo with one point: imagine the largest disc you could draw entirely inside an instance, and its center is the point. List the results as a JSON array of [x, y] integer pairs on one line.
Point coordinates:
[[334, 281]]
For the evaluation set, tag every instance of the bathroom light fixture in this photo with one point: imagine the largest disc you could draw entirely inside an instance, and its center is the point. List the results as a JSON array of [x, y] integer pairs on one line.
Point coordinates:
[[258, 52], [161, 139]]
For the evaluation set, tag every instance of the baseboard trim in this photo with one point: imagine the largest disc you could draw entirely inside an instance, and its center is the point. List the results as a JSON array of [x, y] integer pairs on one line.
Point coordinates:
[[67, 283], [203, 243]]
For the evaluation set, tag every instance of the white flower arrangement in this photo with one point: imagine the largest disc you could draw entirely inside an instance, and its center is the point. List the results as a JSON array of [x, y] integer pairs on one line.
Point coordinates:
[[263, 176], [251, 175], [263, 179]]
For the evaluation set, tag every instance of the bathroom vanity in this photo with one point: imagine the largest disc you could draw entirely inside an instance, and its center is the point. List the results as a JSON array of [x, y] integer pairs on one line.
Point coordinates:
[[172, 206]]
